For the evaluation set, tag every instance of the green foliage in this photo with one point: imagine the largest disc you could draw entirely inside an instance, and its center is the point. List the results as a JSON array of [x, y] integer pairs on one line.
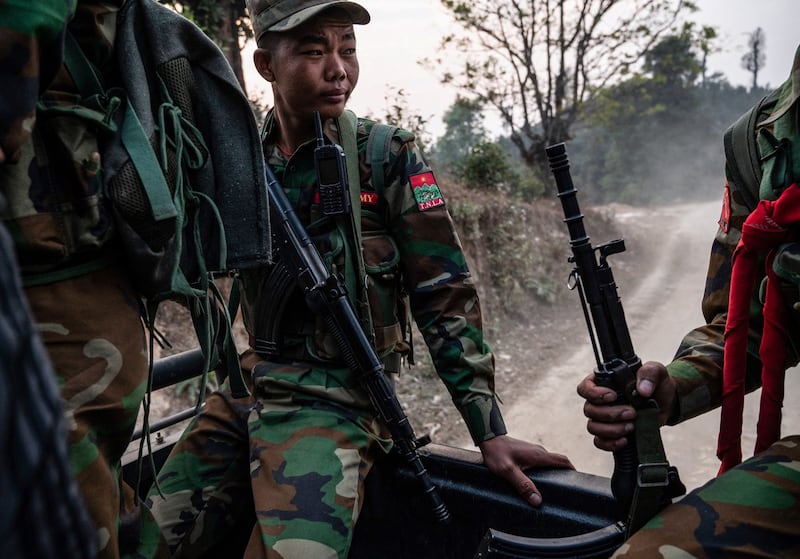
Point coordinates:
[[486, 166], [489, 167], [513, 246], [400, 114], [536, 63], [657, 137], [673, 62], [211, 16], [463, 129]]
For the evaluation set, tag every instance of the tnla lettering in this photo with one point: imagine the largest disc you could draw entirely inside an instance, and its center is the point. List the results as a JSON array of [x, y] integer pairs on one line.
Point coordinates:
[[431, 204]]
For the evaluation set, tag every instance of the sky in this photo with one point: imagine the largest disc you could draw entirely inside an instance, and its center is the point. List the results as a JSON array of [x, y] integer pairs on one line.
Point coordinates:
[[402, 32]]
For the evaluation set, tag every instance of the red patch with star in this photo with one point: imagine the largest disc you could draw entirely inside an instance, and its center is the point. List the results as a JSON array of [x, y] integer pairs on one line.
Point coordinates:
[[426, 191], [725, 216]]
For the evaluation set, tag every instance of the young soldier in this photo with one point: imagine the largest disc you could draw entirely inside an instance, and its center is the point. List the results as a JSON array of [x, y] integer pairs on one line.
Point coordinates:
[[297, 453], [752, 508]]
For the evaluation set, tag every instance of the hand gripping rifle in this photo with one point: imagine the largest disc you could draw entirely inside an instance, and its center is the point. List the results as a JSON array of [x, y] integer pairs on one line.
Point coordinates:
[[643, 482], [326, 294]]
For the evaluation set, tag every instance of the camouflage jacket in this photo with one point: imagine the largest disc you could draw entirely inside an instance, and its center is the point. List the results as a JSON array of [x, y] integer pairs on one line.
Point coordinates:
[[55, 212], [697, 367], [31, 42], [409, 246]]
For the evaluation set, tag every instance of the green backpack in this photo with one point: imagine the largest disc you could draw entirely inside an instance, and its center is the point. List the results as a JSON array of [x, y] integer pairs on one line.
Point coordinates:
[[186, 189], [765, 176]]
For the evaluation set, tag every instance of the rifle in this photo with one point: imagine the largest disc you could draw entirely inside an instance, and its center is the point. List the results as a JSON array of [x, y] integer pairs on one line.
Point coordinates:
[[325, 294], [641, 489]]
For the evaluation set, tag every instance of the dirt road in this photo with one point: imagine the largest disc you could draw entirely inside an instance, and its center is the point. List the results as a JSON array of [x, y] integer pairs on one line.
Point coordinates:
[[665, 304]]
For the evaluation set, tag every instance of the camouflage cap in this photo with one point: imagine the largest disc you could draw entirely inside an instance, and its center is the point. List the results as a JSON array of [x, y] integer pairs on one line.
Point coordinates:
[[282, 15]]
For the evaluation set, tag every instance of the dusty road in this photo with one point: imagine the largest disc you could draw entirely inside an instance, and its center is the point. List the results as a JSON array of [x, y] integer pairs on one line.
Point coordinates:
[[660, 310]]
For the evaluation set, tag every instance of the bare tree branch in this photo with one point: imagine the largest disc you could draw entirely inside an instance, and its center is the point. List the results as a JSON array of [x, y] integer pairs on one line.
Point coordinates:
[[536, 62]]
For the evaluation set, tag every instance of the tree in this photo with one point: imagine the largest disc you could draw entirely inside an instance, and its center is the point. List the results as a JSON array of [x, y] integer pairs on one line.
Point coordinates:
[[537, 61], [463, 129], [486, 166], [753, 61], [672, 62], [657, 136], [400, 114], [225, 21]]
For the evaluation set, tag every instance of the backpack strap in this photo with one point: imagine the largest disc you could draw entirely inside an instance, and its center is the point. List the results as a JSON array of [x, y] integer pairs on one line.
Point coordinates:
[[378, 148], [132, 133], [80, 69], [348, 126], [741, 151]]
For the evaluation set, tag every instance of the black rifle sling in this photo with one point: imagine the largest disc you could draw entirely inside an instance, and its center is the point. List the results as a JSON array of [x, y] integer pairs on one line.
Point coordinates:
[[281, 283]]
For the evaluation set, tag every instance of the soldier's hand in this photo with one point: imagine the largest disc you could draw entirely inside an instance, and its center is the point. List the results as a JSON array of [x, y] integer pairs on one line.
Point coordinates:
[[2, 155], [507, 457], [610, 424]]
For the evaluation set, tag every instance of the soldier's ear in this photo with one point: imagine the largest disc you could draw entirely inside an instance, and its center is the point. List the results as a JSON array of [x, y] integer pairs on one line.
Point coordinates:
[[263, 61]]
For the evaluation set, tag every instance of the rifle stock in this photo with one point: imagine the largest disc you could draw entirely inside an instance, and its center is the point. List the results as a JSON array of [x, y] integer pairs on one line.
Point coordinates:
[[617, 362], [326, 294]]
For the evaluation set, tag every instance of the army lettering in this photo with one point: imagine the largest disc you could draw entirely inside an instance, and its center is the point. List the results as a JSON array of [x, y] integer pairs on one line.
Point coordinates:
[[369, 198], [426, 191]]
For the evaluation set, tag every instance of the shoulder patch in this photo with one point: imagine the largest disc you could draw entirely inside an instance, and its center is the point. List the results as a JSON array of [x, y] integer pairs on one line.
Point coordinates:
[[426, 191], [725, 216]]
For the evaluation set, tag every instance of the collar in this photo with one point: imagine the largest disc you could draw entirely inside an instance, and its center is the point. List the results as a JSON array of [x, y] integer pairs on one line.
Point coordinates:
[[790, 92]]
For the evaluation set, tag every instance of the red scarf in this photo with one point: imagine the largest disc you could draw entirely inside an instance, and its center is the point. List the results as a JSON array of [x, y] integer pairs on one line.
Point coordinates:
[[771, 224]]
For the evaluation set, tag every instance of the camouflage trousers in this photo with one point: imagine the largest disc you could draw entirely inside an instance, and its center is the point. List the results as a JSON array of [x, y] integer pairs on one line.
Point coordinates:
[[37, 488], [288, 463], [752, 510], [94, 336]]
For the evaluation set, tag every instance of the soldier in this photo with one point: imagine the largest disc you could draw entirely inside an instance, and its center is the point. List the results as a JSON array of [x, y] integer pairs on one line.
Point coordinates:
[[751, 507], [296, 453], [77, 287], [38, 492]]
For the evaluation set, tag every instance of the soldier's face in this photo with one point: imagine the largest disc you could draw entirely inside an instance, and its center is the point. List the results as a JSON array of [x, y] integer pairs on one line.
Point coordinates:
[[312, 68]]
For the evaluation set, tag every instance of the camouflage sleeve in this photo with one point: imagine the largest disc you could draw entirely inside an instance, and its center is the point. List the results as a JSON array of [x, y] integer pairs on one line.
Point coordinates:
[[697, 366], [31, 49], [444, 301]]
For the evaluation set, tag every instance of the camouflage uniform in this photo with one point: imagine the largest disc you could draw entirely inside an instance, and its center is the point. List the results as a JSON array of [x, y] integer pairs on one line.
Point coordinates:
[[38, 493], [755, 507], [79, 294], [302, 446]]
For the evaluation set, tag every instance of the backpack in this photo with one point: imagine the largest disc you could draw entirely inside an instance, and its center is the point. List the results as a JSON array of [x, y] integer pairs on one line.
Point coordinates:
[[188, 198], [741, 149], [762, 150]]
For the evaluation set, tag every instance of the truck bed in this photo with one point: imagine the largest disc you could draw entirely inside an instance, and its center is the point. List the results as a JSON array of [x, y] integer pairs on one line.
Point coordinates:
[[488, 520]]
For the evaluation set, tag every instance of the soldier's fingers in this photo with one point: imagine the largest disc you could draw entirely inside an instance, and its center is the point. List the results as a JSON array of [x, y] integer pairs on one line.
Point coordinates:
[[609, 430], [595, 394], [609, 414], [610, 444], [555, 460], [649, 376], [2, 155], [523, 485]]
